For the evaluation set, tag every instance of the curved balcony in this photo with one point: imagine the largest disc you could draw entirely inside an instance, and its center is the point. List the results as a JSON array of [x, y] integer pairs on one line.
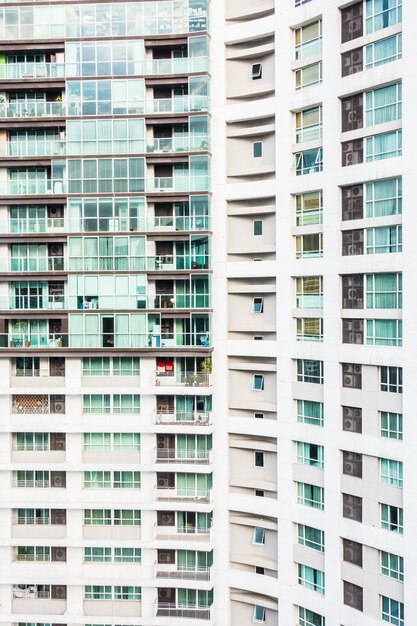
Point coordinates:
[[168, 609], [183, 494], [182, 418], [187, 457], [173, 572]]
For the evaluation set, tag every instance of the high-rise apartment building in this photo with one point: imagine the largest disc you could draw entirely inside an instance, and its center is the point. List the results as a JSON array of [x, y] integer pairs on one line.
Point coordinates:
[[202, 352]]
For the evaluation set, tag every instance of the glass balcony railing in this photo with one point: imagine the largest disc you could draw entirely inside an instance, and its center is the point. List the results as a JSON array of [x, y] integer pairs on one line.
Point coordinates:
[[34, 147], [34, 264], [104, 302], [131, 263], [184, 65], [128, 225], [167, 609], [182, 418], [179, 184], [182, 573], [183, 143], [187, 379], [172, 455], [17, 71], [40, 340], [179, 104], [183, 494]]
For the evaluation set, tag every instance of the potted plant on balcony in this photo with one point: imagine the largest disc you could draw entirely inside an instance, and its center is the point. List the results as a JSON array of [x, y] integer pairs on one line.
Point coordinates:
[[22, 327], [206, 368]]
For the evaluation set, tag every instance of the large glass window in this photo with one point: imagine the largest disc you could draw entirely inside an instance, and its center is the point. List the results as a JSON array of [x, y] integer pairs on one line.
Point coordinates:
[[384, 104], [308, 40], [311, 537], [383, 197], [105, 97], [392, 565], [105, 175], [308, 76], [384, 51], [382, 13], [125, 136], [384, 332], [309, 292], [310, 454], [309, 371], [117, 403], [310, 412], [309, 618], [310, 495], [384, 291], [383, 146], [391, 472], [309, 161], [309, 208], [384, 239], [311, 578], [392, 611], [391, 425], [308, 125]]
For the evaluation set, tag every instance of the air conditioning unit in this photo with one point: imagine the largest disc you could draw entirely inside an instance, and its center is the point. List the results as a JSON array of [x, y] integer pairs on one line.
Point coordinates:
[[164, 557], [349, 553], [167, 519], [358, 370], [161, 445], [162, 483], [161, 440], [58, 592], [347, 381], [59, 554], [58, 516], [56, 250], [55, 211], [164, 593], [57, 405], [59, 444], [355, 26], [356, 191], [58, 479], [349, 468]]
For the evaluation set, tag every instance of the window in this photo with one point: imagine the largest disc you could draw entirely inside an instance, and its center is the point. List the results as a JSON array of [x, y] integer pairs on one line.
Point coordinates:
[[383, 104], [352, 22], [259, 493], [257, 305], [259, 570], [352, 419], [382, 13], [391, 472], [97, 592], [383, 197], [392, 565], [309, 618], [308, 161], [309, 292], [352, 464], [353, 595], [310, 412], [309, 371], [258, 614], [352, 507], [384, 332], [383, 51], [118, 403], [127, 555], [391, 425], [310, 495], [308, 125], [97, 555], [310, 329], [311, 537], [392, 518], [256, 71], [258, 536], [352, 552], [308, 76], [383, 146], [257, 149], [126, 480], [34, 553], [392, 611], [259, 459], [126, 517], [311, 578], [97, 517], [309, 208], [97, 480], [384, 239], [391, 379], [258, 416], [112, 441], [384, 291], [310, 454], [309, 246], [105, 366], [308, 40], [258, 382], [257, 227]]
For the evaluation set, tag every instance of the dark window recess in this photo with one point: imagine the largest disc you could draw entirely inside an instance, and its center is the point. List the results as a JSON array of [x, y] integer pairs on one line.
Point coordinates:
[[352, 507], [57, 366], [352, 464], [58, 480], [352, 242], [353, 595], [352, 419], [352, 62], [166, 556], [58, 592], [58, 516], [352, 375], [57, 441], [352, 291], [353, 331], [352, 552], [58, 554], [166, 518], [352, 113], [352, 203], [352, 152], [165, 480], [352, 22]]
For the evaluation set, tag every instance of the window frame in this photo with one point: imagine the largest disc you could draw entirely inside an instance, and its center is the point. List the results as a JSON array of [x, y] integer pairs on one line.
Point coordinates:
[[258, 536], [258, 382], [257, 146], [256, 71], [257, 305]]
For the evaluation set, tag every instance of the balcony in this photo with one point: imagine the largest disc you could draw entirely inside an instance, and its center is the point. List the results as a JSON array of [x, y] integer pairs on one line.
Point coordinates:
[[183, 494], [32, 404], [32, 148], [181, 65], [182, 341], [183, 533], [41, 187], [178, 185], [20, 302], [76, 225], [32, 109], [183, 379], [21, 71], [182, 143], [182, 418], [39, 599], [189, 456], [167, 609], [173, 572]]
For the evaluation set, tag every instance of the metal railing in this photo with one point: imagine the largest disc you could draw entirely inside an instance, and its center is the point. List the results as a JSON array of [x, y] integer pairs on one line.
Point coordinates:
[[18, 71], [183, 143], [33, 557], [105, 225], [32, 483], [198, 573], [33, 147], [20, 302], [36, 108], [114, 340], [168, 609], [175, 455], [178, 184], [189, 379], [182, 494], [32, 187], [182, 418]]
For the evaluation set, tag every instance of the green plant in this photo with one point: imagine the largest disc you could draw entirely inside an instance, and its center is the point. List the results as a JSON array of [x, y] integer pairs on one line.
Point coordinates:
[[206, 366]]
